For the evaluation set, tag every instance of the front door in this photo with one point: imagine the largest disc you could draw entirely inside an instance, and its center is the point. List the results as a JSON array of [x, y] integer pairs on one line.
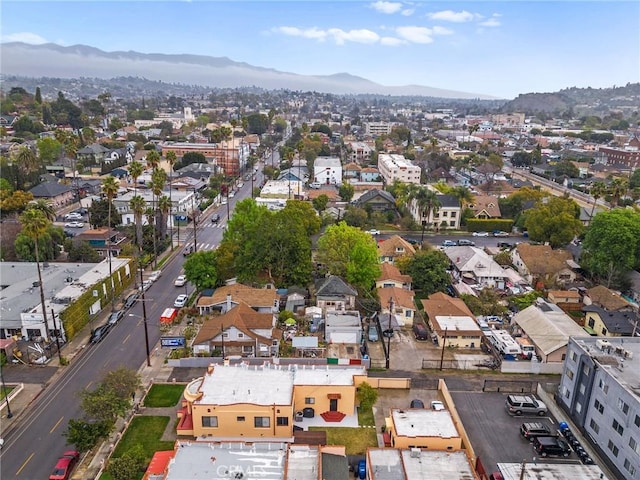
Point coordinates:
[[333, 405]]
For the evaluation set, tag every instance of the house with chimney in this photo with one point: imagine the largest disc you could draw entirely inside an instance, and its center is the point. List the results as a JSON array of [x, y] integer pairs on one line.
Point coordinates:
[[223, 299]]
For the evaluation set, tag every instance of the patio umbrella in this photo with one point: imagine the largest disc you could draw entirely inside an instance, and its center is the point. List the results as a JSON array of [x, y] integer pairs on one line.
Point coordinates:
[[289, 322]]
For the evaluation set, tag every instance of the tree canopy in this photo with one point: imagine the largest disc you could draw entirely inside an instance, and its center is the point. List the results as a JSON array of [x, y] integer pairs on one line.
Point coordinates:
[[351, 254], [200, 269], [428, 270], [555, 220]]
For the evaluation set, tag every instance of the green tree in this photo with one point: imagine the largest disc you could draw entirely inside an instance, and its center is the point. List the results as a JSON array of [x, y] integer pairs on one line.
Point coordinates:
[[428, 270], [611, 246], [350, 253], [487, 302], [367, 396], [555, 220], [427, 202], [99, 214], [124, 382], [200, 269], [257, 123], [303, 213], [634, 181], [356, 217], [320, 203], [49, 150], [128, 466], [84, 435], [617, 189], [38, 97], [597, 190], [346, 192], [566, 168], [83, 252], [138, 207], [26, 163], [171, 160]]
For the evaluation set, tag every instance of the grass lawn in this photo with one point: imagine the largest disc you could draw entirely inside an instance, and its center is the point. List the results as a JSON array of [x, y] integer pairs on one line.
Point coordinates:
[[365, 417], [8, 389], [356, 440], [163, 395]]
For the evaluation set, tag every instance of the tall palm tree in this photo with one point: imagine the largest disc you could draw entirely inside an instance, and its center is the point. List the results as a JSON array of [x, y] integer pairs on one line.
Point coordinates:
[[136, 169], [598, 190], [45, 207], [35, 224], [153, 159], [164, 206], [463, 194], [110, 189], [427, 203], [138, 206], [171, 160], [158, 179], [617, 189], [26, 163]]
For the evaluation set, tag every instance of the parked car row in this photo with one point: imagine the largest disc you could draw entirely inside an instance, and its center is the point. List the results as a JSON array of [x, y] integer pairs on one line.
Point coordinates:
[[575, 444], [463, 242]]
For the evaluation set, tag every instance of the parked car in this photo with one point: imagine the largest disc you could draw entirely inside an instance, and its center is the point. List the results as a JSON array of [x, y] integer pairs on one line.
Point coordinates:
[[362, 469], [416, 403], [99, 333], [115, 317], [531, 430], [131, 300], [480, 234], [65, 465], [525, 404], [437, 405], [315, 185], [145, 285], [188, 250], [215, 218], [74, 224], [500, 233], [546, 446], [373, 333], [463, 242], [373, 231], [181, 301], [496, 476], [420, 332], [73, 216], [180, 281], [155, 275], [449, 243]]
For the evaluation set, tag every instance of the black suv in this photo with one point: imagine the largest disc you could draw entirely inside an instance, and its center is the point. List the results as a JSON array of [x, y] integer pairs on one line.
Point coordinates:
[[534, 429], [131, 300], [99, 333], [215, 218], [545, 446]]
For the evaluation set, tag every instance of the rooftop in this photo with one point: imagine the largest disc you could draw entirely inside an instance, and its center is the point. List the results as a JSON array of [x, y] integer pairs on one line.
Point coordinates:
[[326, 375], [218, 460], [436, 465], [423, 422], [551, 471], [302, 462], [385, 464]]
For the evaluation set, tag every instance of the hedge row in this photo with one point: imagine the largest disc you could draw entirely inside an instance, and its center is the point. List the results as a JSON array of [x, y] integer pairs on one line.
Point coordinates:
[[76, 315], [489, 224]]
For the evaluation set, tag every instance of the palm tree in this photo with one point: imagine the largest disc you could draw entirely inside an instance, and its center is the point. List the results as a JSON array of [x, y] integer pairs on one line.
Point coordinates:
[[427, 203], [463, 194], [138, 206], [617, 189], [35, 224], [164, 206], [158, 179], [26, 162], [45, 207], [153, 159], [598, 190], [171, 160], [136, 169], [110, 189]]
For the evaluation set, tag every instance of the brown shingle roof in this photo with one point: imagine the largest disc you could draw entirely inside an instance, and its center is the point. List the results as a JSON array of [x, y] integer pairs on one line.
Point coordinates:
[[487, 204], [542, 260], [255, 297], [391, 272], [401, 297], [395, 246], [441, 304], [242, 317], [606, 298]]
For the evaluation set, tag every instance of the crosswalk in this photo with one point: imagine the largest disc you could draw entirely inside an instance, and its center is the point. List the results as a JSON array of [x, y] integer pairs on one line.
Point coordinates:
[[206, 246], [220, 225]]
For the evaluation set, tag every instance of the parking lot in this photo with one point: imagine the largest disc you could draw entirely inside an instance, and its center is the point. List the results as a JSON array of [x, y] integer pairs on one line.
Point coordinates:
[[494, 434]]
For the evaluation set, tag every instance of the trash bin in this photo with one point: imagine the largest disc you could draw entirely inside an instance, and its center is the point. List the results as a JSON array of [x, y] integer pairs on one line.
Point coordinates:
[[308, 412], [298, 417]]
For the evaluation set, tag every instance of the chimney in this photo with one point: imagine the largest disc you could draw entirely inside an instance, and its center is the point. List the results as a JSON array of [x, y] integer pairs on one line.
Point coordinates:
[[228, 302]]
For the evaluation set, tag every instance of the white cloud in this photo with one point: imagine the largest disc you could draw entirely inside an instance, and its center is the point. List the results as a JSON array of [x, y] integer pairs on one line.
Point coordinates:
[[451, 16], [339, 36], [415, 34], [26, 37], [391, 41], [408, 12], [492, 22], [386, 7], [442, 31]]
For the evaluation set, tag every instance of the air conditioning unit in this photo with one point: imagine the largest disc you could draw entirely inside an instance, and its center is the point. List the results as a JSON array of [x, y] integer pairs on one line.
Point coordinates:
[[415, 453], [603, 344]]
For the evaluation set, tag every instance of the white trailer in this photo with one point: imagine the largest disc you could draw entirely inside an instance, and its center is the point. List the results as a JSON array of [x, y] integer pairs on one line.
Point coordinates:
[[505, 344]]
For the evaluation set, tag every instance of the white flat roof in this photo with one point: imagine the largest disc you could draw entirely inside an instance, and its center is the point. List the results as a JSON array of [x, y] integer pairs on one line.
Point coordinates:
[[302, 462], [423, 422], [385, 463], [229, 384], [456, 323], [326, 375], [437, 465], [210, 460], [550, 471]]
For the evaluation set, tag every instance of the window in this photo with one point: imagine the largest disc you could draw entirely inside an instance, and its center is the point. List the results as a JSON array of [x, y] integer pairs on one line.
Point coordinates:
[[628, 467], [261, 422], [453, 215], [612, 446], [573, 356], [594, 426], [564, 355], [603, 386], [598, 406], [617, 427], [282, 421], [247, 349], [585, 370], [570, 374], [582, 388], [623, 406], [239, 419], [578, 407], [591, 322], [240, 335], [637, 421], [603, 332], [209, 421], [309, 400], [634, 445]]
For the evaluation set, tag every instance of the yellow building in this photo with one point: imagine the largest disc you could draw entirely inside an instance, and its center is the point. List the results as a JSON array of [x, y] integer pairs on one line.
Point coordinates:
[[261, 402], [423, 428]]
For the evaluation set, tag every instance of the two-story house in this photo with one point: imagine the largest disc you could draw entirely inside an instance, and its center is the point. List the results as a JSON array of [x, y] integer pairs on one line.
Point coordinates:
[[542, 264], [472, 264], [104, 240], [390, 276], [398, 302], [394, 247], [601, 322]]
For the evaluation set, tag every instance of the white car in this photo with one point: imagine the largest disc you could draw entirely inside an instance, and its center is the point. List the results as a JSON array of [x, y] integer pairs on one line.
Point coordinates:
[[180, 281], [155, 275], [74, 224], [73, 216], [181, 301], [373, 231], [480, 234], [145, 285]]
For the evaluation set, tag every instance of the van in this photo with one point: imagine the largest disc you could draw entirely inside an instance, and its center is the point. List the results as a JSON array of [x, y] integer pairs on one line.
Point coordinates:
[[315, 185], [420, 332], [527, 404], [373, 333]]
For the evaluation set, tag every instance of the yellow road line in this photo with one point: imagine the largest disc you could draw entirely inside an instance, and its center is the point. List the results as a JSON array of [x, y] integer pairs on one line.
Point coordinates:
[[25, 463], [56, 425]]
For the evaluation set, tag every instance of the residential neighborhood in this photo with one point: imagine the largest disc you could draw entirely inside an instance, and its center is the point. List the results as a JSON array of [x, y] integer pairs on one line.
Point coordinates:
[[331, 290]]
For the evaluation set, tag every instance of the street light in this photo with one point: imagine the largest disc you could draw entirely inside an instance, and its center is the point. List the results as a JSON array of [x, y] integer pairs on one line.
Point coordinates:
[[144, 319]]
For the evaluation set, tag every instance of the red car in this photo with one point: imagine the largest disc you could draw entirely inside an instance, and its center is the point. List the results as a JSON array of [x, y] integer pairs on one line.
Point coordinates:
[[65, 465]]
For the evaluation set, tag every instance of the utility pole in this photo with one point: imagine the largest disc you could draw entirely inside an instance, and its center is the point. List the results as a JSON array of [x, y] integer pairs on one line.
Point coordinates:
[[4, 391], [57, 334], [444, 342], [144, 317], [522, 469], [391, 307], [195, 241]]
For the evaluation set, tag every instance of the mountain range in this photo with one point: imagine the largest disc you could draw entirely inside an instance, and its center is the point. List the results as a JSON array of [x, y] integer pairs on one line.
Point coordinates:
[[51, 60]]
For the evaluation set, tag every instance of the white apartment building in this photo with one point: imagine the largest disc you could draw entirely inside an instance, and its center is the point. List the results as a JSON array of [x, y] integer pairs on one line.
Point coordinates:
[[327, 171], [395, 167], [360, 152], [378, 128]]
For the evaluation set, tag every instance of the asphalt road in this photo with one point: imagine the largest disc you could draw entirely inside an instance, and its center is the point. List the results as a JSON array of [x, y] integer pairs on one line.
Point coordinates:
[[30, 451]]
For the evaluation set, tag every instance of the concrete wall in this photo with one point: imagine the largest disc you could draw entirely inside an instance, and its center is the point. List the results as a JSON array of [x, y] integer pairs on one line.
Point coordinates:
[[536, 368]]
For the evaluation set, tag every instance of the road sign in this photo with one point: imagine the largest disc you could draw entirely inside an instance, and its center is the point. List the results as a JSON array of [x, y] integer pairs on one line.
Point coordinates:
[[172, 342]]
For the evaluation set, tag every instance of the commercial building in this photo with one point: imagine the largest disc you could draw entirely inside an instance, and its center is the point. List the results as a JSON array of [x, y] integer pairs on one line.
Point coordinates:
[[394, 167], [599, 391], [327, 171]]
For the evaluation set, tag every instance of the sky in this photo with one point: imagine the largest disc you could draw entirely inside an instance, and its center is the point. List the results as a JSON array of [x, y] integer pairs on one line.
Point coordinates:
[[498, 48]]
